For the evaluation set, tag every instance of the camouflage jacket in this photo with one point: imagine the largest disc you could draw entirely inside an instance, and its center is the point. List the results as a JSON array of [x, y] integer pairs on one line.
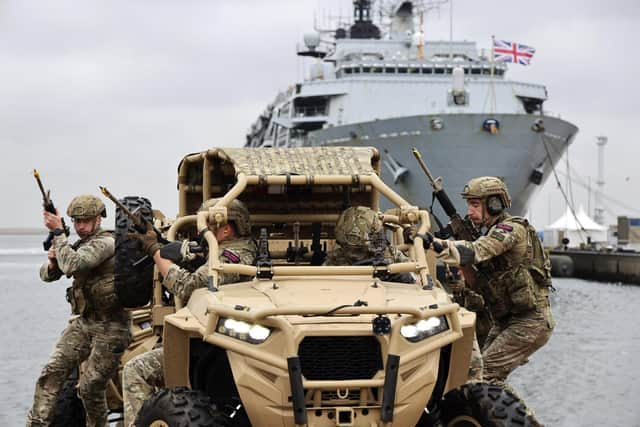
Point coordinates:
[[502, 256], [182, 283], [90, 261]]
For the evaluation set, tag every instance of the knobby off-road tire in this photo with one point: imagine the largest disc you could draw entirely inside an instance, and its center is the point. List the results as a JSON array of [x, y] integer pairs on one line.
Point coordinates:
[[180, 407], [69, 411], [482, 405], [133, 283]]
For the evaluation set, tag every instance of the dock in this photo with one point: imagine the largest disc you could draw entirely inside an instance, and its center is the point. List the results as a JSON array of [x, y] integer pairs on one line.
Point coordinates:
[[596, 265]]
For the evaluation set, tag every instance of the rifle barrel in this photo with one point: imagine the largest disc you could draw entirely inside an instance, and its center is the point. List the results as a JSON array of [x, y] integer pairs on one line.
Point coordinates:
[[434, 182], [36, 175], [136, 219]]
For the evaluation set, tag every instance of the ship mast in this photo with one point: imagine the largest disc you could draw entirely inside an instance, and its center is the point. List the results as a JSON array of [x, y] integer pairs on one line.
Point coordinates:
[[363, 26], [599, 210]]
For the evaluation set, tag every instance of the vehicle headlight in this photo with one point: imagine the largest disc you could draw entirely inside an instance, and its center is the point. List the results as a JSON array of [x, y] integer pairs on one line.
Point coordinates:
[[424, 328], [252, 333]]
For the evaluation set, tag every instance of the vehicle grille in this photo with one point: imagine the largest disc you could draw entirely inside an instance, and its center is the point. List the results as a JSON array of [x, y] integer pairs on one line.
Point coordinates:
[[340, 358]]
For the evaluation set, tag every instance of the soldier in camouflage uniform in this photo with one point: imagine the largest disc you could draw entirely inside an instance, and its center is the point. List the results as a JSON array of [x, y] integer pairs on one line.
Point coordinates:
[[99, 334], [513, 276], [355, 231], [143, 374]]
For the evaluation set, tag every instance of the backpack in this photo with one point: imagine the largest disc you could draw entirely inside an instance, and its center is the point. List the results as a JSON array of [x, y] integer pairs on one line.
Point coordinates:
[[539, 262]]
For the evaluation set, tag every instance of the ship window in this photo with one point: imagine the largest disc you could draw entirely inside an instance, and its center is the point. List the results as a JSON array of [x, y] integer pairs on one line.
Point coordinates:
[[427, 71], [439, 71], [402, 70], [366, 69], [531, 105], [377, 69], [486, 71], [475, 71], [390, 70], [414, 70], [347, 70]]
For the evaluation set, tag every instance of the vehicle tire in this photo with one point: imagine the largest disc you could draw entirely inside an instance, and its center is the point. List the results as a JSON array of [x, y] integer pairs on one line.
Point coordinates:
[[180, 407], [482, 405], [69, 411], [133, 279]]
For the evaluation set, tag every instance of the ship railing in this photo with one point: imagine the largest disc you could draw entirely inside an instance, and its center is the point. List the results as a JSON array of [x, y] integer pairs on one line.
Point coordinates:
[[310, 111]]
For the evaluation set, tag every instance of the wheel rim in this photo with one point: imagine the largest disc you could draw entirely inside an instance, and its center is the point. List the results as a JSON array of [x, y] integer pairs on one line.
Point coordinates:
[[159, 423], [464, 421]]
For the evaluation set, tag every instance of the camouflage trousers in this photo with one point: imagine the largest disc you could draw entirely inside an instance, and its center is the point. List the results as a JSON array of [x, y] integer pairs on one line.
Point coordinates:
[[476, 367], [141, 377], [512, 340], [101, 344]]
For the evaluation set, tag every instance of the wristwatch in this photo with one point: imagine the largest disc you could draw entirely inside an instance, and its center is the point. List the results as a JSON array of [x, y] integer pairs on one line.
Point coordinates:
[[57, 231]]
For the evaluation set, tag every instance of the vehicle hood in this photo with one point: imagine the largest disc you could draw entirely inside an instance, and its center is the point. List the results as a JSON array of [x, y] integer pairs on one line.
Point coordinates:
[[326, 291]]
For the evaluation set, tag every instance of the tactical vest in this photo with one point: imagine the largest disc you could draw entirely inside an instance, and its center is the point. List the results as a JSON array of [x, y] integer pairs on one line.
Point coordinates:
[[93, 291], [516, 283]]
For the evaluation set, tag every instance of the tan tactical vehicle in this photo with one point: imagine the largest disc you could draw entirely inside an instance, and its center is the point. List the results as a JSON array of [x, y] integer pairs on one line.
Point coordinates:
[[305, 344]]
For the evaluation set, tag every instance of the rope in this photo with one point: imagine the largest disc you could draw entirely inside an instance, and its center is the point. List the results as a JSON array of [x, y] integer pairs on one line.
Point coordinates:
[[564, 194]]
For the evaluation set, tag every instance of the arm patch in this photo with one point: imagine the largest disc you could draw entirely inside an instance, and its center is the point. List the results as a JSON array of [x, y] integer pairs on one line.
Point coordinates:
[[231, 256], [505, 227], [497, 235]]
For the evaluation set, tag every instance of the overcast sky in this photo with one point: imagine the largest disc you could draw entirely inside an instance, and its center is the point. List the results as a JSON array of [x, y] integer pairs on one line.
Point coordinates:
[[116, 92]]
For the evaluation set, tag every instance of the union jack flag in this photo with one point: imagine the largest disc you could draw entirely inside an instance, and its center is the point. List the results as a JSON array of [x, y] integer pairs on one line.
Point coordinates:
[[512, 52]]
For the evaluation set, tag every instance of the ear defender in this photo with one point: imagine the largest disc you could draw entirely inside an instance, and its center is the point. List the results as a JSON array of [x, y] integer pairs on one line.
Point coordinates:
[[494, 205]]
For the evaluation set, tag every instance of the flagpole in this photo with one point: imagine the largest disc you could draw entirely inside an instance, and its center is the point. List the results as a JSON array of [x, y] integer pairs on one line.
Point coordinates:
[[493, 64], [451, 30]]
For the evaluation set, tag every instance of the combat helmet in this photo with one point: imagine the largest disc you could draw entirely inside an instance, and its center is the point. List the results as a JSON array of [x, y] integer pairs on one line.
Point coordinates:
[[355, 224], [236, 212], [490, 189], [86, 206]]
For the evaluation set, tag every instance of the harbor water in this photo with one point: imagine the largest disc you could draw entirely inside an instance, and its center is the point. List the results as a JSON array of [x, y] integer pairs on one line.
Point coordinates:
[[587, 375]]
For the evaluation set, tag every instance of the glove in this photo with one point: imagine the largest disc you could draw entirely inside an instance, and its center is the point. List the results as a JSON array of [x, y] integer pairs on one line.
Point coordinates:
[[409, 234], [149, 241], [439, 245], [179, 252]]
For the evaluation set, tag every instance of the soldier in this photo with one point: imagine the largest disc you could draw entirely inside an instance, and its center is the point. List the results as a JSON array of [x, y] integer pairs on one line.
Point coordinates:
[[513, 277], [356, 231], [143, 374], [99, 334]]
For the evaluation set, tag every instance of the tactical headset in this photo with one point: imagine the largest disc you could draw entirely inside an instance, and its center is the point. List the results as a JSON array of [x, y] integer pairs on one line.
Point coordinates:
[[494, 205]]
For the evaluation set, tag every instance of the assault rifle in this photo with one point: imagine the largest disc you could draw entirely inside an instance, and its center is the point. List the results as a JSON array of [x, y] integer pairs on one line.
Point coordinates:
[[48, 206], [458, 227], [140, 224]]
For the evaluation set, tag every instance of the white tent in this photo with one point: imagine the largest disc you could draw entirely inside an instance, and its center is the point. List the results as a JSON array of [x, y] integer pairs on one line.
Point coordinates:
[[579, 229]]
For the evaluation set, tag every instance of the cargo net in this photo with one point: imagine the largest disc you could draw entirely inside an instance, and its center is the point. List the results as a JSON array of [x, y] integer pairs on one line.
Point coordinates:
[[302, 161]]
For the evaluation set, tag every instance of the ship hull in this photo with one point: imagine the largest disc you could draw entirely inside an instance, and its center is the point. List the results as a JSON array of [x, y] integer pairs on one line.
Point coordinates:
[[460, 151]]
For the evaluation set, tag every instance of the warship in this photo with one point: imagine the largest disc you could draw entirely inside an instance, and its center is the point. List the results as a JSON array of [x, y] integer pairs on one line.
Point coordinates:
[[377, 82]]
